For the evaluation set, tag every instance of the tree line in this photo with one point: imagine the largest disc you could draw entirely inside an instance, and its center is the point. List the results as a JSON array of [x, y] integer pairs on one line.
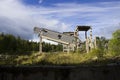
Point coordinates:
[[9, 44]]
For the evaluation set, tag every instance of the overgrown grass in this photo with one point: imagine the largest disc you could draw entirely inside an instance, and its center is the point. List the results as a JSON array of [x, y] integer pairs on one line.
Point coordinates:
[[49, 59], [94, 57]]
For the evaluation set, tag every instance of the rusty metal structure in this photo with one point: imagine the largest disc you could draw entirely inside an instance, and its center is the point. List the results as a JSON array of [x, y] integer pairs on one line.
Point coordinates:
[[70, 40]]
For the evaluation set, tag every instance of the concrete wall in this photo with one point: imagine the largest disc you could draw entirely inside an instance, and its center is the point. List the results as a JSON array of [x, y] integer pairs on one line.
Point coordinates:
[[60, 73]]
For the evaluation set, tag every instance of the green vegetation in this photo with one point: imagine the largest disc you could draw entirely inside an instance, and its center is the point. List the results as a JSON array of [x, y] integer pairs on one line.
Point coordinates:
[[101, 56], [10, 44], [61, 59], [114, 44]]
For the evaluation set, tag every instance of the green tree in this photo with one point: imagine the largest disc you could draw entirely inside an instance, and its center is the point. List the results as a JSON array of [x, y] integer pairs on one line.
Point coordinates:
[[102, 44], [114, 43], [15, 45]]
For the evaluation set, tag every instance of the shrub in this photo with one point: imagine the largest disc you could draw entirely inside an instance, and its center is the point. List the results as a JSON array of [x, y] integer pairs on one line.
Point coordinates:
[[95, 53], [114, 47], [114, 44]]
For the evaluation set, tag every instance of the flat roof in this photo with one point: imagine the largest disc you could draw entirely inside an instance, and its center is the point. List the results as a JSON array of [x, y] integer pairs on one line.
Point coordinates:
[[83, 28]]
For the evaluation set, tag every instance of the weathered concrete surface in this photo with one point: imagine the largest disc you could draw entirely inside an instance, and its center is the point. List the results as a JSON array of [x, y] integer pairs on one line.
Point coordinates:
[[111, 72]]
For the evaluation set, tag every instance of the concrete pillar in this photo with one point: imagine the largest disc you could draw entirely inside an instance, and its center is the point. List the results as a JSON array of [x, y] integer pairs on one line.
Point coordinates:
[[77, 39], [95, 44], [40, 46], [91, 34], [87, 44], [85, 34], [63, 47], [91, 43], [68, 50], [76, 34]]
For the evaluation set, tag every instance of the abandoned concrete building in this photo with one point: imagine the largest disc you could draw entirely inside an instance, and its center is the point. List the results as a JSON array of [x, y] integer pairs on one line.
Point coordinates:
[[69, 40]]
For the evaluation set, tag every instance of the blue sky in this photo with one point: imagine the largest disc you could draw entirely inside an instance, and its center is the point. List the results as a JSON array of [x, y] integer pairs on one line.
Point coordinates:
[[50, 2], [19, 17]]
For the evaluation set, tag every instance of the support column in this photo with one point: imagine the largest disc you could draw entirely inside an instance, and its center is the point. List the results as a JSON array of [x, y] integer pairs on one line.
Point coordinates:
[[63, 47], [95, 44], [87, 47], [40, 47], [91, 43], [68, 46], [86, 35], [87, 41], [76, 39]]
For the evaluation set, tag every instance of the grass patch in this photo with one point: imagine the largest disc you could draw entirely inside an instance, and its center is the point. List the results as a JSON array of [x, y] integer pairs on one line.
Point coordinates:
[[95, 57]]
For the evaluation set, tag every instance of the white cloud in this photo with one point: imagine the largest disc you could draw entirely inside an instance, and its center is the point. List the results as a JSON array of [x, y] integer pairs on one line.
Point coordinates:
[[19, 19]]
